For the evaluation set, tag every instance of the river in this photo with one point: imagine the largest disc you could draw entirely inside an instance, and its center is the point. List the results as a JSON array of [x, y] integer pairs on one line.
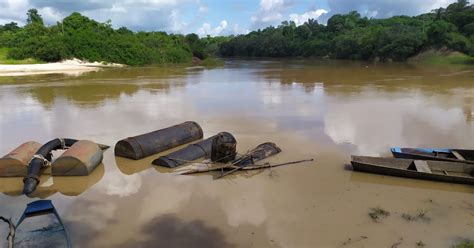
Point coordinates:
[[326, 110]]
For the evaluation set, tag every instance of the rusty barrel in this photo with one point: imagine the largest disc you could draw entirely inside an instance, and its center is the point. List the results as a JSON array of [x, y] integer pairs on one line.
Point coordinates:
[[201, 149], [151, 143], [15, 163], [79, 160]]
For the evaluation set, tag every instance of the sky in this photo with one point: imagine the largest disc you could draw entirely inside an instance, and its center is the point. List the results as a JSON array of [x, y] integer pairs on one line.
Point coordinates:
[[209, 17]]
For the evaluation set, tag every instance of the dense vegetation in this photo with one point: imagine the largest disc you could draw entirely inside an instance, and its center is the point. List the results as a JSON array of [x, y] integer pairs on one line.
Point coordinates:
[[80, 37], [351, 36], [346, 36]]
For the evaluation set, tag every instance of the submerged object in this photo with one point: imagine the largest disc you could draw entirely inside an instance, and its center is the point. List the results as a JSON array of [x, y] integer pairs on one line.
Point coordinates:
[[151, 143], [44, 232], [201, 149], [453, 155], [15, 163], [443, 171], [79, 160], [260, 152], [224, 148]]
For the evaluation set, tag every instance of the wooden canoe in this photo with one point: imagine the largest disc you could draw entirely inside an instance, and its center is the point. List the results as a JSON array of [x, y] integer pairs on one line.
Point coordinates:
[[452, 155], [442, 171]]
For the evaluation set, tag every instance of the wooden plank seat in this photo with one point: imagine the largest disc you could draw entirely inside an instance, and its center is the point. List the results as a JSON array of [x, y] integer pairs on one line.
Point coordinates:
[[457, 155], [422, 166]]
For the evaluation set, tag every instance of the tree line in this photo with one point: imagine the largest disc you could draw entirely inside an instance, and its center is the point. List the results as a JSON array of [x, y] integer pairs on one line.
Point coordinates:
[[346, 36], [350, 36], [81, 37]]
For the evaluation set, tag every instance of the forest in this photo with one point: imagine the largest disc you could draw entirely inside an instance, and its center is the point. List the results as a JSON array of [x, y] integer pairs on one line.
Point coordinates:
[[351, 36], [81, 37], [345, 36]]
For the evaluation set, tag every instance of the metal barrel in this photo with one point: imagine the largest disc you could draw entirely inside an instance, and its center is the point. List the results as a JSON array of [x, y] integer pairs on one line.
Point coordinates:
[[192, 152], [151, 143], [15, 163], [79, 160]]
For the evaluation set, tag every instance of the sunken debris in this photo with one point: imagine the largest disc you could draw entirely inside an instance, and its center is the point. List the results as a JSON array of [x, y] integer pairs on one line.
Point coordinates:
[[378, 213]]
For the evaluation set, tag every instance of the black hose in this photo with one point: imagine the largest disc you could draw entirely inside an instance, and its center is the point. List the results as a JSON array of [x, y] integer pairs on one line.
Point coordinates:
[[31, 180]]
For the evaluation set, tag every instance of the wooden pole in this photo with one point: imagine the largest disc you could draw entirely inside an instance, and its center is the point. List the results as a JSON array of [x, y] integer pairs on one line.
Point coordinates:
[[11, 233]]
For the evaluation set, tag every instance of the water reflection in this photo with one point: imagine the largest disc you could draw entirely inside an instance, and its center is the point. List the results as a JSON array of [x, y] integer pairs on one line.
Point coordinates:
[[312, 109], [50, 185]]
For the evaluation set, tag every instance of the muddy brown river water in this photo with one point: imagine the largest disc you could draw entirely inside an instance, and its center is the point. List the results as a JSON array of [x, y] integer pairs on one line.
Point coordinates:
[[325, 110]]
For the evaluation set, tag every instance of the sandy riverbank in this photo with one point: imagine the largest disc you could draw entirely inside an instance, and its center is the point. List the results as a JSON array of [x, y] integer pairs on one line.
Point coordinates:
[[70, 67]]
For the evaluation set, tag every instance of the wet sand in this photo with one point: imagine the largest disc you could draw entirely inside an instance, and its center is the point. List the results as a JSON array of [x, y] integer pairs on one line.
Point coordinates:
[[325, 110]]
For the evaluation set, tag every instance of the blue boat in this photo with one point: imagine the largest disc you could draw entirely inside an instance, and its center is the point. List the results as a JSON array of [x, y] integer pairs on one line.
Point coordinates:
[[452, 155], [42, 227]]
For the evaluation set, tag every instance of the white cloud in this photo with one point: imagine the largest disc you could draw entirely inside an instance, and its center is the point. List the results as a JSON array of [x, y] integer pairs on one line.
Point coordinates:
[[236, 29], [207, 29], [267, 5], [135, 14], [176, 25], [386, 8], [300, 19], [203, 9], [271, 12]]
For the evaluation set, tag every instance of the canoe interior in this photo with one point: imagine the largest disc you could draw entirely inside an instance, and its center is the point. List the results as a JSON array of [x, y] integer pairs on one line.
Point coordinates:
[[436, 152], [437, 167]]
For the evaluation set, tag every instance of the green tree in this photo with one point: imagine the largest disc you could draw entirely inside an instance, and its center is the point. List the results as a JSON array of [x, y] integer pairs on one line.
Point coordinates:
[[34, 17]]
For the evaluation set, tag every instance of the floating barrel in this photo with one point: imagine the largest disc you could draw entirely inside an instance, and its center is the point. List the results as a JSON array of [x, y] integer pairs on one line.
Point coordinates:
[[148, 144], [192, 152], [79, 160], [15, 163]]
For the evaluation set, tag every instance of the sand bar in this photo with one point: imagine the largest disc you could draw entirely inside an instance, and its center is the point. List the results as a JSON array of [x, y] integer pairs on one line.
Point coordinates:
[[70, 67]]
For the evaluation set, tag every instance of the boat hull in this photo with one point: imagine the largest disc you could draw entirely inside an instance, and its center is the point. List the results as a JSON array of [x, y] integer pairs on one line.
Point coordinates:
[[428, 154], [370, 165]]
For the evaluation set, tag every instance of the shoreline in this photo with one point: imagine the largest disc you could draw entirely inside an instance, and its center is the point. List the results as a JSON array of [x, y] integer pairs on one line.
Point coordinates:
[[68, 67]]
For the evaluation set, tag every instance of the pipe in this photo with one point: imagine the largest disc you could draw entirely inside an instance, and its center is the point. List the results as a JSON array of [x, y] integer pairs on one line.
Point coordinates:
[[40, 159], [191, 152], [151, 143]]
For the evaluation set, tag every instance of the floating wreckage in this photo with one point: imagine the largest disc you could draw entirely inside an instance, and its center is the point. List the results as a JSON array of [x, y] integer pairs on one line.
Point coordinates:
[[260, 152], [42, 229], [201, 149], [144, 145], [30, 160], [242, 162]]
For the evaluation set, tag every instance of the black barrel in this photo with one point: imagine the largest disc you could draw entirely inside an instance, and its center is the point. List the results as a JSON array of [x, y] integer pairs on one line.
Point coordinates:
[[151, 143], [201, 149]]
